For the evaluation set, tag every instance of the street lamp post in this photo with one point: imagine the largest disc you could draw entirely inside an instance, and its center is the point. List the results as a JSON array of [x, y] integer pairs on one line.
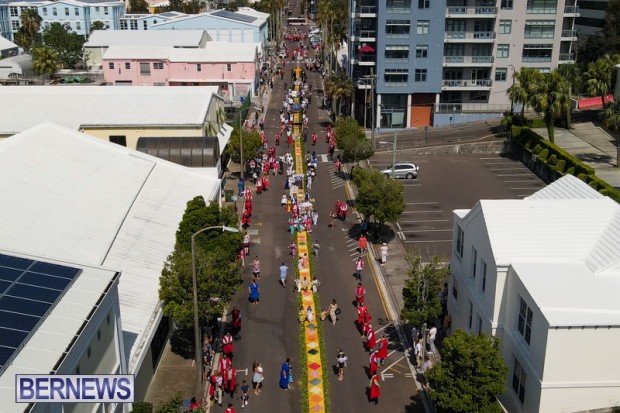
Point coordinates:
[[393, 150], [371, 77], [197, 346]]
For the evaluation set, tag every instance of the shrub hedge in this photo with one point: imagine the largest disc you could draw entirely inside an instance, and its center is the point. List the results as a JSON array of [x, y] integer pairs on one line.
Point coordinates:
[[560, 160]]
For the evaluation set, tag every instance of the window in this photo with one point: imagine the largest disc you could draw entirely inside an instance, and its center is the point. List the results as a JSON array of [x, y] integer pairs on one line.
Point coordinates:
[[127, 65], [123, 24], [397, 53], [460, 239], [396, 77], [54, 11], [76, 11], [158, 65], [228, 67], [133, 25], [518, 380], [111, 66], [542, 6], [420, 75], [78, 26], [96, 9], [503, 50], [474, 258], [199, 67], [507, 4], [13, 11], [397, 28], [525, 320], [107, 25], [483, 270], [505, 26], [144, 25], [471, 315], [105, 11], [424, 4], [422, 26], [66, 11], [145, 69], [119, 140], [539, 29], [44, 9], [455, 288], [421, 51], [501, 73], [398, 6], [537, 52]]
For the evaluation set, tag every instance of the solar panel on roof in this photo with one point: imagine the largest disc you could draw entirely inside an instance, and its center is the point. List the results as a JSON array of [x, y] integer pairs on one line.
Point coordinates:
[[226, 14], [28, 291]]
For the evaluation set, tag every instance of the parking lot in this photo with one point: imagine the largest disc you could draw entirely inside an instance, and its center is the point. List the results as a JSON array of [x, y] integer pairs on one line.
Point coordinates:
[[448, 182]]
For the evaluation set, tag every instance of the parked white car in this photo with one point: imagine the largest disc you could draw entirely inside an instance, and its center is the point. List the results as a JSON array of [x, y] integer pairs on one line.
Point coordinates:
[[407, 170]]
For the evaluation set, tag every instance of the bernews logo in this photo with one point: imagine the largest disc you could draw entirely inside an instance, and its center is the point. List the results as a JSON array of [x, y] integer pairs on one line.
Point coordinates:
[[96, 388]]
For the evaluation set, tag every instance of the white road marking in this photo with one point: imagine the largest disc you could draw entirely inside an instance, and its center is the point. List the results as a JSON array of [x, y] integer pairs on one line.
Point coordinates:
[[386, 376], [391, 365], [437, 241]]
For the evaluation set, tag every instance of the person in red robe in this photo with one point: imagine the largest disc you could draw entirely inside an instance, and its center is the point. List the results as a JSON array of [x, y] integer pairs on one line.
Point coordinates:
[[360, 293], [382, 351], [228, 347], [235, 320], [230, 384], [375, 389], [361, 311], [265, 180], [371, 338], [373, 363], [245, 219], [213, 381], [366, 322], [225, 364], [248, 206]]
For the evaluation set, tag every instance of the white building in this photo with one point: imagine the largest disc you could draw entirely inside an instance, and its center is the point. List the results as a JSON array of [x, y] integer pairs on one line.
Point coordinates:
[[543, 275], [75, 199], [145, 21]]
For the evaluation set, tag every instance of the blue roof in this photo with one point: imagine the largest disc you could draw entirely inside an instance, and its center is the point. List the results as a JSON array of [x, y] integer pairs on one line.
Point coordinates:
[[234, 16]]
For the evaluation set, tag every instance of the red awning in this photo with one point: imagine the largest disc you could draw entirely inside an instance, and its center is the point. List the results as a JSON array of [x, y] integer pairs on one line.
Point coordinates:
[[366, 49]]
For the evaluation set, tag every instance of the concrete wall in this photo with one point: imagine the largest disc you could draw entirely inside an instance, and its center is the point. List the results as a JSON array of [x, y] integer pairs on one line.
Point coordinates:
[[133, 134], [443, 119]]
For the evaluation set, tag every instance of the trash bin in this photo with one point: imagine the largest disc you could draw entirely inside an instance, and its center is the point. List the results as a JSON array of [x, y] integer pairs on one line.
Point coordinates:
[[228, 193]]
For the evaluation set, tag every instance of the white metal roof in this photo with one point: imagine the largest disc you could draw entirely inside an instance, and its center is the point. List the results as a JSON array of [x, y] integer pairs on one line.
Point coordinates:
[[75, 107], [75, 198], [6, 44], [177, 38], [566, 241], [138, 52], [252, 12], [209, 15], [213, 52], [51, 340]]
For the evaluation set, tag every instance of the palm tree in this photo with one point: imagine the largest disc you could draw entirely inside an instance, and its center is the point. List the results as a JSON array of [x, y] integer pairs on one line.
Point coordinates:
[[340, 88], [611, 118], [31, 22], [97, 25], [550, 97], [22, 39], [572, 74], [332, 17], [521, 92], [45, 61], [599, 77]]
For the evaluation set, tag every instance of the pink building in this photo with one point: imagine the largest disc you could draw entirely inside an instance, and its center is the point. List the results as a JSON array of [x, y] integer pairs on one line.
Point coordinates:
[[232, 67]]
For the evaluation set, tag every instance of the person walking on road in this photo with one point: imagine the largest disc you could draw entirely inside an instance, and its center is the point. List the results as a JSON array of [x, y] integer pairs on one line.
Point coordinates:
[[341, 360], [254, 292], [235, 321], [382, 351], [257, 379], [230, 408], [333, 311], [375, 389], [373, 362], [362, 244], [256, 268], [371, 338], [285, 371], [432, 334], [360, 293], [283, 274], [384, 252], [227, 345], [359, 266], [315, 248], [245, 393]]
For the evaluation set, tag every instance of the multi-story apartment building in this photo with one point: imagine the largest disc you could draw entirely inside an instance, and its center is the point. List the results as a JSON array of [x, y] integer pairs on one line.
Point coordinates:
[[451, 61], [76, 14]]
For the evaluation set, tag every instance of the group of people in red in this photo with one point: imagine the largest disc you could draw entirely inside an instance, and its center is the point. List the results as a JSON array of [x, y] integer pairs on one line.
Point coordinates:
[[330, 138], [378, 355], [246, 216]]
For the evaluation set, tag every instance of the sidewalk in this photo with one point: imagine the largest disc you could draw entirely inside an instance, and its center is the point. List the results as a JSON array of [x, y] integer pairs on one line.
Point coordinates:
[[592, 145]]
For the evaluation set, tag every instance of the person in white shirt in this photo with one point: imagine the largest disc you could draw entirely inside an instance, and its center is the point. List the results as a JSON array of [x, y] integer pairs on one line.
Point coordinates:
[[432, 333]]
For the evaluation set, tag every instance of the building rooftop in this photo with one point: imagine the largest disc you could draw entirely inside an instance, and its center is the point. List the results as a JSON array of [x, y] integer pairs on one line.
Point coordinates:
[[239, 18], [75, 107], [176, 38], [70, 197], [6, 44], [212, 52], [252, 12]]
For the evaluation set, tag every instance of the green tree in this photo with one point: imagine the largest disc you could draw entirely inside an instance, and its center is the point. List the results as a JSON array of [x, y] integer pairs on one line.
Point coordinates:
[[31, 23], [44, 61], [611, 28], [522, 88], [332, 17], [172, 405], [251, 145], [572, 74], [600, 75], [470, 376], [611, 118], [66, 43], [97, 25], [339, 88], [217, 272], [138, 6], [352, 141], [550, 98], [421, 293], [23, 40], [379, 198], [276, 10]]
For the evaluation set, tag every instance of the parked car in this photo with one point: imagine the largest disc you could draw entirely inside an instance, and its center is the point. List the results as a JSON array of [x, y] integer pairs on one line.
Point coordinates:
[[407, 170], [314, 31]]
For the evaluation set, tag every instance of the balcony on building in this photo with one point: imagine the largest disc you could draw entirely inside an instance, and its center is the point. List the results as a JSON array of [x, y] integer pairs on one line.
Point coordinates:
[[566, 58], [364, 58], [569, 35], [470, 37], [462, 12], [364, 30], [467, 84], [364, 9], [571, 11], [398, 6], [462, 61]]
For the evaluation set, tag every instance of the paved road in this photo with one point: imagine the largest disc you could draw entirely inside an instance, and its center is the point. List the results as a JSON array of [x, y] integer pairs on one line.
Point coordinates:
[[448, 182], [270, 329]]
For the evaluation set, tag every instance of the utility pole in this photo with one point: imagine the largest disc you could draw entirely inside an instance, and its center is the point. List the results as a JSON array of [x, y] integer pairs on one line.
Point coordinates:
[[372, 113]]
